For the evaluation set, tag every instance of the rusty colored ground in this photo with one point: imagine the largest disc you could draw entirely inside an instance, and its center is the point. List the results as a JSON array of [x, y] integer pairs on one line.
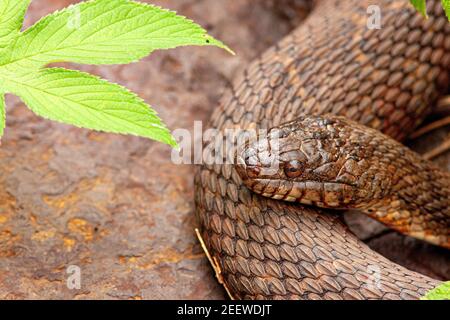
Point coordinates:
[[116, 206]]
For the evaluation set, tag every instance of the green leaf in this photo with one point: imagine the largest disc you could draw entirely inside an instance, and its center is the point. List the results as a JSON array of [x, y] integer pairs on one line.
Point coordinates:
[[446, 6], [421, 6], [91, 32], [442, 292], [12, 13], [86, 101], [104, 32], [2, 114]]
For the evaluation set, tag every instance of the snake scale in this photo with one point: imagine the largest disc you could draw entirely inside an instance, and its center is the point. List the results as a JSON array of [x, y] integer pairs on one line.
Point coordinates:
[[387, 79]]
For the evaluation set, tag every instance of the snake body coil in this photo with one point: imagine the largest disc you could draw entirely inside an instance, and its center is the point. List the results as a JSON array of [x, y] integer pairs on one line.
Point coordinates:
[[385, 79]]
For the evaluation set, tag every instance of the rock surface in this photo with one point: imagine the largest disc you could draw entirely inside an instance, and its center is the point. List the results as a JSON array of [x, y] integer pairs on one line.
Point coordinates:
[[116, 206]]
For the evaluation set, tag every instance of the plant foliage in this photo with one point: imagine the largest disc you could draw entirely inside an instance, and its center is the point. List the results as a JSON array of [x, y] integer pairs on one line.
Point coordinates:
[[97, 32]]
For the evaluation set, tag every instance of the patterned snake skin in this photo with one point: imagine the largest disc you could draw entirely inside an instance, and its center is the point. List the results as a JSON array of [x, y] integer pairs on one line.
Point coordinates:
[[387, 79], [332, 162]]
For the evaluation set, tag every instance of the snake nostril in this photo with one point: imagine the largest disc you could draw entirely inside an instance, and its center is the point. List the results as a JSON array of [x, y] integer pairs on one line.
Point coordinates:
[[248, 154], [252, 161]]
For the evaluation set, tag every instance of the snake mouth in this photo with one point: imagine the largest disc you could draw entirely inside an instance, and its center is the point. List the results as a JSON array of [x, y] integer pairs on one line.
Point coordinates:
[[334, 195]]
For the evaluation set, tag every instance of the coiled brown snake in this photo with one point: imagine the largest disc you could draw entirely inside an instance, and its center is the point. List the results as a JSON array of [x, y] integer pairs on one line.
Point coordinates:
[[387, 79]]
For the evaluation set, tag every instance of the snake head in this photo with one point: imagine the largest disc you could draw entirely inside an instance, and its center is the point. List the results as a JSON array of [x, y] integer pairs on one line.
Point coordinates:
[[326, 161]]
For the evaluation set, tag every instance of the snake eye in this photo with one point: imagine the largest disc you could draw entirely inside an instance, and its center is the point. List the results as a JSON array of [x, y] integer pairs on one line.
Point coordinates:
[[293, 169]]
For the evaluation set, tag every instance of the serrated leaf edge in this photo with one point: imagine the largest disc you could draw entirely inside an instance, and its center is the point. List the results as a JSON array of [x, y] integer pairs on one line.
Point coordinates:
[[161, 126]]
